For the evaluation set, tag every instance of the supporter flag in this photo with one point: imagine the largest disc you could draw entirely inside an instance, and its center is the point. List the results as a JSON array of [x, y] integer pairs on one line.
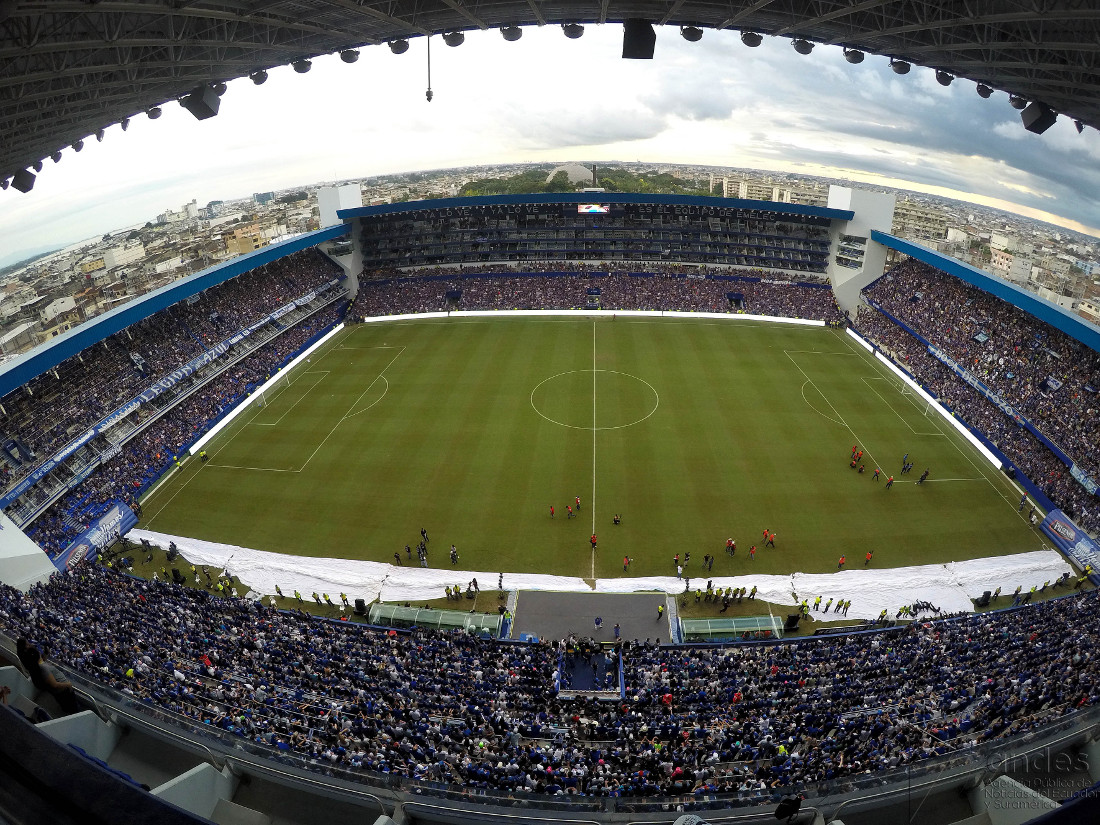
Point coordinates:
[[1051, 384]]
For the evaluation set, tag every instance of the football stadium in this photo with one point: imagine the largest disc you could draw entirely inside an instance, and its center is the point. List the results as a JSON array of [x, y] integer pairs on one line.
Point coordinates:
[[586, 507]]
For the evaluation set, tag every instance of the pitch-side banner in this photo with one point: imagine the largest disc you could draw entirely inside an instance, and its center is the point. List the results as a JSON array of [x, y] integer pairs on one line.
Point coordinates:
[[1073, 542], [112, 524]]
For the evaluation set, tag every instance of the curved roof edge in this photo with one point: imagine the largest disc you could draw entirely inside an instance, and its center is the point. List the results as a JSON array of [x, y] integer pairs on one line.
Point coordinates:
[[46, 356], [1046, 311], [599, 197]]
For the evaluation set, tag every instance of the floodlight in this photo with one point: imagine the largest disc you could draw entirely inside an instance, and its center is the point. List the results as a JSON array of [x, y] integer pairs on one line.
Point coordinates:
[[454, 39], [984, 91], [37, 166], [124, 123], [853, 56], [511, 33], [1016, 102], [572, 30], [692, 34], [4, 183], [302, 65], [349, 55], [153, 113], [899, 66], [56, 156], [78, 145], [944, 78], [99, 135], [751, 39], [399, 46], [801, 45], [219, 88], [1080, 126], [259, 78]]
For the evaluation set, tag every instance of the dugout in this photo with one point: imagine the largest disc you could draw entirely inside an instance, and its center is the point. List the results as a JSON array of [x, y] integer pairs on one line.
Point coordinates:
[[392, 615], [733, 629]]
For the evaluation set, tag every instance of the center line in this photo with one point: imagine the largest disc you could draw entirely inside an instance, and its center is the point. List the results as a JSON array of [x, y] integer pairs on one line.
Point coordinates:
[[593, 505]]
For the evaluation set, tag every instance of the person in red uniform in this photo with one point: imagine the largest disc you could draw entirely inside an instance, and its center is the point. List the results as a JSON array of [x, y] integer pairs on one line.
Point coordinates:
[[551, 511], [731, 547], [840, 564], [569, 511], [592, 541], [578, 504]]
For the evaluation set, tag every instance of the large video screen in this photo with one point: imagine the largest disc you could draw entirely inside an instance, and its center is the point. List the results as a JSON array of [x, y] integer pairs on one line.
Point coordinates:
[[593, 208]]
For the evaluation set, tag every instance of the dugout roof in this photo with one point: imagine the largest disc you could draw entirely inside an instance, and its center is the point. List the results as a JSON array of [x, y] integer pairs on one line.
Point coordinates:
[[69, 68]]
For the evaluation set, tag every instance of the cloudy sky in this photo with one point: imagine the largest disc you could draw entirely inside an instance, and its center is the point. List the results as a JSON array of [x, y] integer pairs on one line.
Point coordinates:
[[547, 98]]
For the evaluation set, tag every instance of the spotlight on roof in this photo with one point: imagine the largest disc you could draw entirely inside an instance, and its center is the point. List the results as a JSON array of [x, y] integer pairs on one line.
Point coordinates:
[[853, 56], [259, 78], [1038, 117], [4, 183], [99, 135], [154, 113], [219, 88], [124, 123], [349, 55], [511, 33], [752, 39], [692, 34], [944, 78], [899, 66], [37, 166], [572, 30], [801, 45], [56, 156], [302, 66], [78, 145], [454, 39], [1016, 102], [23, 180], [399, 46], [984, 91], [1079, 125]]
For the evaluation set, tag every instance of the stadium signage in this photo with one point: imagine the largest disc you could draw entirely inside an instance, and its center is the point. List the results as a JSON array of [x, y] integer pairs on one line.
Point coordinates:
[[1083, 479], [1073, 542], [106, 529], [971, 379]]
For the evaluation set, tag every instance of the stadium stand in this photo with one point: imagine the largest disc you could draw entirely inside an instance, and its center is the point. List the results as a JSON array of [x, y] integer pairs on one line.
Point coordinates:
[[1047, 377]]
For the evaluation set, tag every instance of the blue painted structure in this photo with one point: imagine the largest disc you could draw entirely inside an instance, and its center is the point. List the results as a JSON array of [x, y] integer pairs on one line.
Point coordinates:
[[599, 197], [22, 369], [1047, 312]]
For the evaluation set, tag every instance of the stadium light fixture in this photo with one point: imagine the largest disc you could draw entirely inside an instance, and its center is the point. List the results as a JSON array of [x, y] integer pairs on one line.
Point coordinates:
[[302, 65], [78, 145], [4, 183], [349, 55], [37, 166], [692, 34], [984, 91], [454, 39], [572, 30], [56, 156], [511, 33], [899, 66], [259, 78], [1079, 125], [752, 39], [219, 88], [1017, 102], [853, 56], [124, 123], [802, 45], [153, 113], [399, 46], [944, 78], [99, 135]]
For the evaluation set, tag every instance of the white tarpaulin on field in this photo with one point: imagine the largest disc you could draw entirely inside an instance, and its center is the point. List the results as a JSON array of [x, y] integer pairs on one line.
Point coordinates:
[[949, 587]]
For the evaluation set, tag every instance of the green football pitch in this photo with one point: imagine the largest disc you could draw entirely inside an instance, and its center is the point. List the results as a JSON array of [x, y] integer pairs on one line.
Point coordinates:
[[693, 431]]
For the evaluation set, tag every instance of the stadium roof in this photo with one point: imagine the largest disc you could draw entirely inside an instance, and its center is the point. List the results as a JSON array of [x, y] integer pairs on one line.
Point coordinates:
[[71, 67]]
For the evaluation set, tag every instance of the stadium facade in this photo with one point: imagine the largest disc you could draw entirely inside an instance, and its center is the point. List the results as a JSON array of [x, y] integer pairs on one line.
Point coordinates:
[[216, 774]]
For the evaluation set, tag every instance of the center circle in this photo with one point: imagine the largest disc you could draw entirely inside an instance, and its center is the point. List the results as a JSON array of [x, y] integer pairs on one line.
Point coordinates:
[[594, 399]]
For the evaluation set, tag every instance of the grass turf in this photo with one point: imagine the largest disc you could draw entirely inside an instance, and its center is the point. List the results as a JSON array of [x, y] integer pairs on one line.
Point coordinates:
[[693, 430]]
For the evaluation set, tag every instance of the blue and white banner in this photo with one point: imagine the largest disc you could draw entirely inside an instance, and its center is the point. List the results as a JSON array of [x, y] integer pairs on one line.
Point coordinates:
[[1073, 542], [1083, 479], [971, 379], [115, 522]]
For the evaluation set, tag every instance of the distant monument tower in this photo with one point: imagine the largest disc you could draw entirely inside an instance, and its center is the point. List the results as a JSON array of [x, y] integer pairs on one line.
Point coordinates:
[[594, 181]]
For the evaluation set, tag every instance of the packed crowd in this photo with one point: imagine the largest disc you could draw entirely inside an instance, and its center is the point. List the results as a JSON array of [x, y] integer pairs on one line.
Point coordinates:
[[1016, 360], [59, 405], [665, 291], [454, 708], [145, 457]]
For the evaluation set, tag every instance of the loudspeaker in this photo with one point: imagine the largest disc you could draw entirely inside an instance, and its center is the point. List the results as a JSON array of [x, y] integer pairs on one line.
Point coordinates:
[[202, 103], [360, 607], [984, 600], [638, 39], [1038, 117], [792, 621], [177, 576], [788, 807], [23, 180]]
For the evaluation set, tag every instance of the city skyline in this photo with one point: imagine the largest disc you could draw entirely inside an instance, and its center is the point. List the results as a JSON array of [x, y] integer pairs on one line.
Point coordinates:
[[548, 99]]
